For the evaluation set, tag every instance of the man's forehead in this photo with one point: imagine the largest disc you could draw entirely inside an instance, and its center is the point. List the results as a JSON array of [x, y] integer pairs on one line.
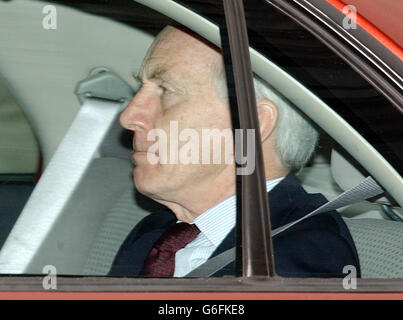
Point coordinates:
[[176, 48], [178, 37]]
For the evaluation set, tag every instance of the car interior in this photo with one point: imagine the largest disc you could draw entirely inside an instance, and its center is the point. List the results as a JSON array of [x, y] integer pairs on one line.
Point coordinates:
[[39, 71]]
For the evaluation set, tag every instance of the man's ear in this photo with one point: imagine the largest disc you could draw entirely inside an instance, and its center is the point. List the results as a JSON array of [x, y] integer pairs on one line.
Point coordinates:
[[268, 117]]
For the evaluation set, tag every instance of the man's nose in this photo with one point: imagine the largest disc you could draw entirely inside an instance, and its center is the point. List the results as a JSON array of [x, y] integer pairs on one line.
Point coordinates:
[[138, 115]]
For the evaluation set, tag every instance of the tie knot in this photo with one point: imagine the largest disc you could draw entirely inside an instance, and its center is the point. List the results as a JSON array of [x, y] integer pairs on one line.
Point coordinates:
[[160, 261], [177, 236]]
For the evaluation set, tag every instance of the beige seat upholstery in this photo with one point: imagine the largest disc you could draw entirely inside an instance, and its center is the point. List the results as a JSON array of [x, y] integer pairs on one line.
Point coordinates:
[[379, 242], [95, 220], [19, 152], [121, 219], [379, 245]]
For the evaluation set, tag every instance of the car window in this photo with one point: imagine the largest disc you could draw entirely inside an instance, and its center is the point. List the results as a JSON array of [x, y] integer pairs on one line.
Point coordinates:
[[105, 196], [85, 235], [57, 47], [357, 102], [333, 170]]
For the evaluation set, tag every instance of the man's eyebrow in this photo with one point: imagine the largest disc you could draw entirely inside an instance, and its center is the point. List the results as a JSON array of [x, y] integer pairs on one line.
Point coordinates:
[[160, 74], [156, 73]]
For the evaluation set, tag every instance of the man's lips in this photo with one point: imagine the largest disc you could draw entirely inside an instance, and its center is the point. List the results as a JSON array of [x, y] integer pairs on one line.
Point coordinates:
[[139, 152], [142, 154]]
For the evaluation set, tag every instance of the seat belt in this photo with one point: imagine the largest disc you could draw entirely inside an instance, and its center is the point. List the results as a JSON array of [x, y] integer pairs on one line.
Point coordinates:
[[102, 95], [367, 188]]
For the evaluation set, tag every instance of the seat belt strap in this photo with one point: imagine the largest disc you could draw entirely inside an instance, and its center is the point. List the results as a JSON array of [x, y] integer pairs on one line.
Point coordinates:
[[368, 188], [213, 265], [63, 174]]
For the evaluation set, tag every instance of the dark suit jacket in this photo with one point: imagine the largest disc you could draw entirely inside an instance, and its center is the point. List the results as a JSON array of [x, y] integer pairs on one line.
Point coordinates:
[[319, 246]]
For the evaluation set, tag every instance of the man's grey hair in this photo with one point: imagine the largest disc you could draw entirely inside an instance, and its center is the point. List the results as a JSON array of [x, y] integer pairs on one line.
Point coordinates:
[[296, 138]]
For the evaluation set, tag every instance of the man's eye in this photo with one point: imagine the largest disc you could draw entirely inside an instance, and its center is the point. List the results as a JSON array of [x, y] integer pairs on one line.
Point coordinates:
[[165, 90]]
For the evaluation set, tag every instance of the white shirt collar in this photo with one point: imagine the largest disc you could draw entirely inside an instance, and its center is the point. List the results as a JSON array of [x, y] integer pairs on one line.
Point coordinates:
[[218, 221]]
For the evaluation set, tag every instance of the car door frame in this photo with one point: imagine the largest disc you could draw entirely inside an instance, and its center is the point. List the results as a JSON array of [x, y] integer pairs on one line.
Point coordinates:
[[250, 283]]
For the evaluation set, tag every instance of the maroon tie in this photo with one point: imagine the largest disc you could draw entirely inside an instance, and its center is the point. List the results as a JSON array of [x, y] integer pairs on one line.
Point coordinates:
[[160, 261]]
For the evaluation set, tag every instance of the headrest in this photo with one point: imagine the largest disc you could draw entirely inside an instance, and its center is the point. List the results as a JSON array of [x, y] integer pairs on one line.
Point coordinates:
[[346, 171]]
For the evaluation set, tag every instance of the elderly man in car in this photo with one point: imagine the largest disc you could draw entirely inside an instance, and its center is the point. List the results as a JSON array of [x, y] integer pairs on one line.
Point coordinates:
[[184, 85]]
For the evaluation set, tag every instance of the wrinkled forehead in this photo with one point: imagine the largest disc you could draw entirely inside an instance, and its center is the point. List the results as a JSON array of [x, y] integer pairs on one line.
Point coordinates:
[[182, 51]]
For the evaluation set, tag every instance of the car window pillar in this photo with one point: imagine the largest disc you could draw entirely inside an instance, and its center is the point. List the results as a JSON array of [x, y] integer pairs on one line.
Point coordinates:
[[256, 248]]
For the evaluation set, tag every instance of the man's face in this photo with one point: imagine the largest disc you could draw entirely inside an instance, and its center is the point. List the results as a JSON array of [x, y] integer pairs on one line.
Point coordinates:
[[178, 84]]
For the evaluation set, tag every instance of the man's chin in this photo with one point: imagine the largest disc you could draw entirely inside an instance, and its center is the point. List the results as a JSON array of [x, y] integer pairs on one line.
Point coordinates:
[[146, 182]]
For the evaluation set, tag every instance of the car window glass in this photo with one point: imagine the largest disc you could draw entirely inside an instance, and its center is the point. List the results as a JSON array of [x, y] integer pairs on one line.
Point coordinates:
[[304, 57], [332, 170], [88, 246], [58, 46], [47, 48]]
